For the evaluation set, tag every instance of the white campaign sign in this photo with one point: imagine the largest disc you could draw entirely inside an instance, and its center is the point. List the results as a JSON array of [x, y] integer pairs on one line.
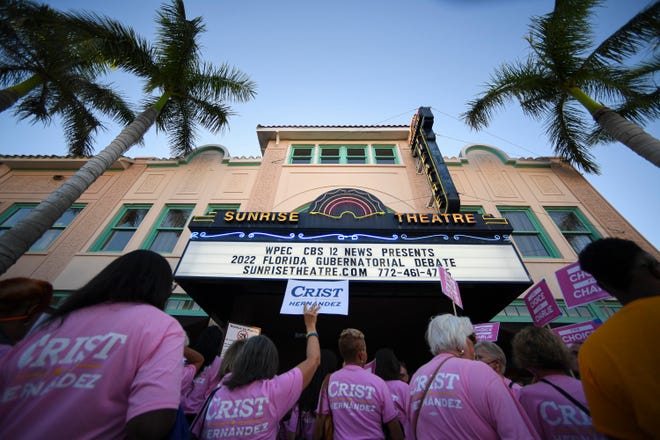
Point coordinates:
[[354, 261], [332, 296]]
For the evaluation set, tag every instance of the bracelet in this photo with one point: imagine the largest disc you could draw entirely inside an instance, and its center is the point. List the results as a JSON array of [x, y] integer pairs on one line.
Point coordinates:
[[312, 334]]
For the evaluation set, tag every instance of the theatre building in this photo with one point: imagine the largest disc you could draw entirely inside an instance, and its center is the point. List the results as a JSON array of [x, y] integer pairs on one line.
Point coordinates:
[[378, 206]]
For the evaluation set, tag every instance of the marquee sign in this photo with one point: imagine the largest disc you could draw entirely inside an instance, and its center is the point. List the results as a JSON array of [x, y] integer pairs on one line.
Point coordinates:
[[425, 149], [347, 235], [352, 260]]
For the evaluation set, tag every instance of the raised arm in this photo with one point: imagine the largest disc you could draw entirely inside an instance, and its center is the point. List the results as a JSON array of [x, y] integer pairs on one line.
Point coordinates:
[[313, 359], [193, 357]]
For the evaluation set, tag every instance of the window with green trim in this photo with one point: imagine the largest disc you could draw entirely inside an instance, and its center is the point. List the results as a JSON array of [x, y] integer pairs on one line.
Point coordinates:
[[301, 154], [357, 154], [212, 208], [19, 211], [574, 227], [342, 154], [472, 209], [385, 154], [168, 229], [528, 234], [121, 229]]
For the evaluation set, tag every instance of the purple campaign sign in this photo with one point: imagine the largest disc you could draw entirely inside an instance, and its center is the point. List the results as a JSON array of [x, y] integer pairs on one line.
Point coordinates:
[[578, 287], [487, 331], [541, 304], [576, 333], [450, 287]]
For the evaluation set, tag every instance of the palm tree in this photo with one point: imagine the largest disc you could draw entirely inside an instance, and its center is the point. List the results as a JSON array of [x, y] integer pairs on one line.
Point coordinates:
[[564, 69], [46, 71], [192, 93]]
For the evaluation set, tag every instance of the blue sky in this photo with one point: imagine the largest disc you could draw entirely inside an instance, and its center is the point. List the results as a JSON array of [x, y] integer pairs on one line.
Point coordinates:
[[368, 62]]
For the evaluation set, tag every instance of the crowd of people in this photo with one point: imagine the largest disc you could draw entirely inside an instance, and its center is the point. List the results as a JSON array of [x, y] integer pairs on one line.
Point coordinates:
[[110, 363]]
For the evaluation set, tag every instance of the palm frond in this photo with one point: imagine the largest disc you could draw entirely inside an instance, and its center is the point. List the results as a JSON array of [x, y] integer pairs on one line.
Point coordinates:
[[108, 42], [224, 83], [181, 127], [566, 128], [640, 31], [106, 100], [560, 37], [508, 82], [177, 47], [212, 116]]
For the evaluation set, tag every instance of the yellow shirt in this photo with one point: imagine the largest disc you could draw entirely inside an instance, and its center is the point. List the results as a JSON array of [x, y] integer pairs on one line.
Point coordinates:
[[620, 372]]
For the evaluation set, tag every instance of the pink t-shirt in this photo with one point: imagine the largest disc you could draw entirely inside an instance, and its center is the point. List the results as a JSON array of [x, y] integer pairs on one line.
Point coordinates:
[[360, 403], [307, 427], [201, 387], [87, 377], [554, 415], [254, 410], [466, 399], [399, 391], [187, 378], [4, 349]]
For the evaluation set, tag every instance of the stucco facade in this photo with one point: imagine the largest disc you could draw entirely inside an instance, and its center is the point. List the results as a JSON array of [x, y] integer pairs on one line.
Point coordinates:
[[487, 181]]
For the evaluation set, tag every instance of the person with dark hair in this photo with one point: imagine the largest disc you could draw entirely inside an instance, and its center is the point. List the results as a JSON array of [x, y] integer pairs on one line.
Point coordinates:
[[22, 301], [106, 364], [252, 399], [555, 402], [209, 344], [298, 427], [403, 372], [453, 396], [359, 401], [618, 364], [388, 368], [492, 355]]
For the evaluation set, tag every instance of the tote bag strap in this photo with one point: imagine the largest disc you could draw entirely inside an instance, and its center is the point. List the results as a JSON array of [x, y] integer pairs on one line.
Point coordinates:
[[299, 425], [568, 396], [428, 386], [202, 412]]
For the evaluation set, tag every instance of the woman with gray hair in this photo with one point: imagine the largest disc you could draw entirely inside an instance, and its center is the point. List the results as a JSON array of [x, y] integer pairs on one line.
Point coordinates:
[[492, 355], [452, 396]]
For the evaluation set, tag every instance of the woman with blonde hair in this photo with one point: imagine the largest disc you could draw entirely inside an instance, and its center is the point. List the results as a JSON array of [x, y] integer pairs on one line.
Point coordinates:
[[253, 398], [555, 403]]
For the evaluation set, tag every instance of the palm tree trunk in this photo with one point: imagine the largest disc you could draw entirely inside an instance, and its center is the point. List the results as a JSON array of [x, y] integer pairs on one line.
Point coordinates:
[[17, 240], [10, 95], [629, 134]]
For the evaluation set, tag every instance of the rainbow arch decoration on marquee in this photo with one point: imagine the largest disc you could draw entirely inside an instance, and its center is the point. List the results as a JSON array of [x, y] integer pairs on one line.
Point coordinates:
[[347, 201]]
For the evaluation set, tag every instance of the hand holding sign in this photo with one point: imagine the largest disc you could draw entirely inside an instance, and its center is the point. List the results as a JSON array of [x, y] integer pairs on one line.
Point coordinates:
[[311, 314]]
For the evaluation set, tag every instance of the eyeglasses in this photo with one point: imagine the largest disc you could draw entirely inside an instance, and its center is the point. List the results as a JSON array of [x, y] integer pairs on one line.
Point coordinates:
[[481, 358], [472, 337]]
